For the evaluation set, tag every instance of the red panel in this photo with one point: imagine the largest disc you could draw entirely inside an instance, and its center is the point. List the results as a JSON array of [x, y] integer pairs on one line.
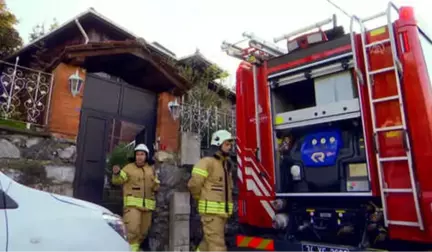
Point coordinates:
[[267, 149], [418, 101], [262, 187], [242, 76], [314, 57]]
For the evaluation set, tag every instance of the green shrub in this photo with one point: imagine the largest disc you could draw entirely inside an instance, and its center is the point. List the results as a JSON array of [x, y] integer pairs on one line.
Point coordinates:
[[120, 155]]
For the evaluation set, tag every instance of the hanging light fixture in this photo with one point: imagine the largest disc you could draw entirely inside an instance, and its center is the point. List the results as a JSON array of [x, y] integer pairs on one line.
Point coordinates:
[[75, 83], [174, 109]]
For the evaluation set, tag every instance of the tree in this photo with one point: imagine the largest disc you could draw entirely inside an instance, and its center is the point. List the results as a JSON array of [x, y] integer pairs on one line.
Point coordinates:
[[200, 80], [9, 36], [40, 59], [39, 30]]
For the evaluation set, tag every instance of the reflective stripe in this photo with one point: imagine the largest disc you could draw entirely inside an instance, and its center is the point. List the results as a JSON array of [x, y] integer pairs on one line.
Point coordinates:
[[255, 243], [135, 246], [150, 204], [123, 175], [199, 171], [139, 202], [213, 207], [120, 178]]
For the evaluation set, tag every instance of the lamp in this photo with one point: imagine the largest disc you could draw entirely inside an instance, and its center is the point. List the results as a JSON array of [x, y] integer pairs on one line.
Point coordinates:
[[75, 83], [174, 109]]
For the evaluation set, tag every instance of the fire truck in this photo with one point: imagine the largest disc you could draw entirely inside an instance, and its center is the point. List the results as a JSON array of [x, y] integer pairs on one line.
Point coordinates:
[[334, 136]]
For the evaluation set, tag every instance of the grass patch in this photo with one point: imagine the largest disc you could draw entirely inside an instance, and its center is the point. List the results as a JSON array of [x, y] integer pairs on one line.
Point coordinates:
[[13, 124]]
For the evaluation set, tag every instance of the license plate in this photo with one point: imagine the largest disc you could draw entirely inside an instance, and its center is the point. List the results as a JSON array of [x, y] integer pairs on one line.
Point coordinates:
[[312, 247]]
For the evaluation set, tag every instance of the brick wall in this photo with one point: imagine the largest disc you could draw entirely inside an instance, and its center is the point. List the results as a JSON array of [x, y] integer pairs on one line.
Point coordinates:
[[64, 115], [167, 130]]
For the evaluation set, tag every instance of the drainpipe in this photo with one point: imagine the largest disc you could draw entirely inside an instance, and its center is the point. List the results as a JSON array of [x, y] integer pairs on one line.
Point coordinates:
[[82, 32]]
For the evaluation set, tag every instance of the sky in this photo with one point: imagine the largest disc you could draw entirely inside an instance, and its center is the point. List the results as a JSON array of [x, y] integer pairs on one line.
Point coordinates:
[[183, 26]]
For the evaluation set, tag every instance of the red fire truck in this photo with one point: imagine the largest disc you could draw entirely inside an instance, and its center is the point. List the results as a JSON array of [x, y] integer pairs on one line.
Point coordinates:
[[341, 158]]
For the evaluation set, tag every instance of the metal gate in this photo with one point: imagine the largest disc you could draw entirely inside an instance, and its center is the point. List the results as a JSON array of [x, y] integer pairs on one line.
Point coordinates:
[[206, 120], [119, 114]]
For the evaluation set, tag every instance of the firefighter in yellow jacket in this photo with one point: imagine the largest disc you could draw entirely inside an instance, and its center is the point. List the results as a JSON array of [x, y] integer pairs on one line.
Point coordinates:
[[211, 185], [140, 184]]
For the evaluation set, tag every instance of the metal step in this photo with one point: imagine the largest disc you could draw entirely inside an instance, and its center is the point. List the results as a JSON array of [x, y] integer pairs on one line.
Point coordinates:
[[390, 159], [382, 70], [399, 127], [404, 223], [398, 190], [384, 99], [377, 43]]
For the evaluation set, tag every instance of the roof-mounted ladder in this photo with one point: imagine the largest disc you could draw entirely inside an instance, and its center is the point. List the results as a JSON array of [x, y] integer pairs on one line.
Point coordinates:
[[317, 25], [258, 50]]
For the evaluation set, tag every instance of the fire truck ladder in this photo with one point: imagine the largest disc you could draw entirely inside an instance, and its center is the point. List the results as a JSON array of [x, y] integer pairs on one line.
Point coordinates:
[[396, 68], [258, 51]]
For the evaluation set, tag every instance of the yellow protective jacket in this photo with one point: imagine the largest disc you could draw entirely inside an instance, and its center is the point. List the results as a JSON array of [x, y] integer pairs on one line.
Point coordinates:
[[139, 186], [211, 184]]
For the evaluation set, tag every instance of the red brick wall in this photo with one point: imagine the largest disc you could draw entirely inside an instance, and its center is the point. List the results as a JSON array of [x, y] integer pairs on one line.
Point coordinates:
[[167, 129], [65, 109]]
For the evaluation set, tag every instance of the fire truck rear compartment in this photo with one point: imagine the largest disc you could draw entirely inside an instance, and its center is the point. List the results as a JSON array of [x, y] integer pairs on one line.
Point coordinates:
[[308, 101], [318, 110], [333, 160], [321, 116]]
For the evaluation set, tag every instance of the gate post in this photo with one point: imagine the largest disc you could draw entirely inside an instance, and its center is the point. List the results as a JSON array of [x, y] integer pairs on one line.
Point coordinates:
[[179, 235]]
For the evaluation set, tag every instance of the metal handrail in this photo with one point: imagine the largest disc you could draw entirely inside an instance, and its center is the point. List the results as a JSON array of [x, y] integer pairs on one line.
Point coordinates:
[[304, 29], [391, 6], [353, 47], [399, 66]]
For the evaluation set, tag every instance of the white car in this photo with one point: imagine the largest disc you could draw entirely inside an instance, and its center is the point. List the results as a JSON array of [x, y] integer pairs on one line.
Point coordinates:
[[33, 220]]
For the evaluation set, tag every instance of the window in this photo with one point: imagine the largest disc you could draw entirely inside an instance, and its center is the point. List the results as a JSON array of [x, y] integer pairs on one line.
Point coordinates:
[[7, 202], [320, 91], [123, 132]]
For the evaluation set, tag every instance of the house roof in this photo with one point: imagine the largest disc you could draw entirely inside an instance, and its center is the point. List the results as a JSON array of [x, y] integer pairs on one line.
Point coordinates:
[[197, 59], [163, 48], [91, 12], [143, 69]]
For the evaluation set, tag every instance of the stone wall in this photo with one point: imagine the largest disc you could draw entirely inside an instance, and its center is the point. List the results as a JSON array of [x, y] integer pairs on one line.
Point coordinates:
[[38, 160], [47, 163], [174, 179]]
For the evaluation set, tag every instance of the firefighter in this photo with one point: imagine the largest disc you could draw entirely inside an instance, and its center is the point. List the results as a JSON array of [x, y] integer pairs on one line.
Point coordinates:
[[211, 185], [140, 183]]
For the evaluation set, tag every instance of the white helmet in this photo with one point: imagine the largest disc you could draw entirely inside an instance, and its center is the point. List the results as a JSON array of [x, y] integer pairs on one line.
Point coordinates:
[[220, 136], [142, 147]]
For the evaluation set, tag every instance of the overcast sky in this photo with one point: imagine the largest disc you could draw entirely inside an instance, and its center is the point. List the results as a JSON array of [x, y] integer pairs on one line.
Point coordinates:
[[184, 25]]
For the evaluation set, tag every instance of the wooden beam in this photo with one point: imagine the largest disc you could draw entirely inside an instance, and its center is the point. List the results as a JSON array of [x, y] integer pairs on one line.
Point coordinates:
[[98, 52], [77, 61], [163, 71], [89, 51]]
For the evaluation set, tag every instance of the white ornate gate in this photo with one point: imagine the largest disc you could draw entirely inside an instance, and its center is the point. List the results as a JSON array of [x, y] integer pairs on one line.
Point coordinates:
[[204, 121], [24, 93]]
